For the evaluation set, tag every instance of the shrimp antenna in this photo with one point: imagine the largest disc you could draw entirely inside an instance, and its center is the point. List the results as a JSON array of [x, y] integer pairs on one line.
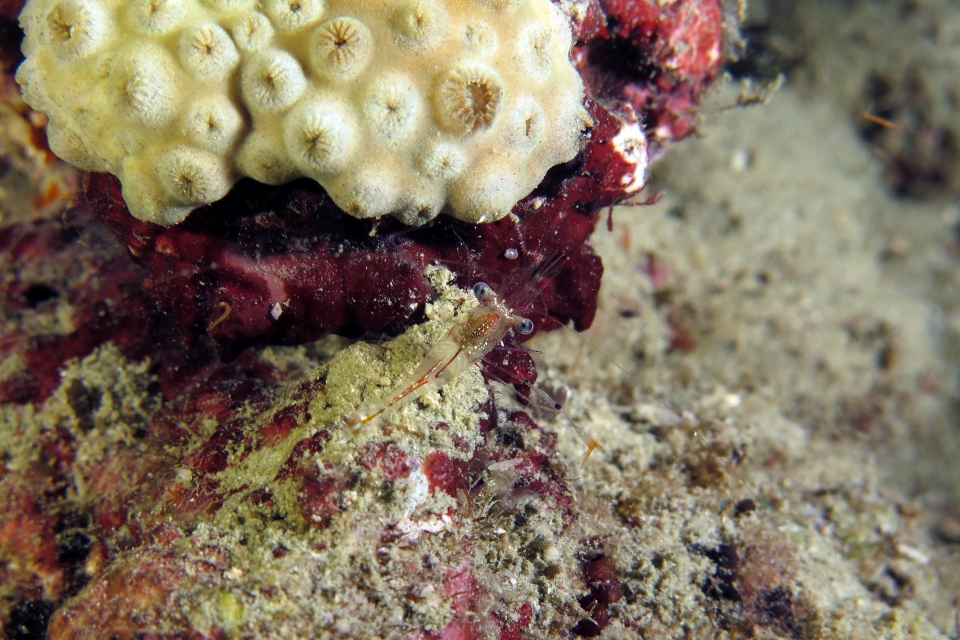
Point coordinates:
[[522, 289]]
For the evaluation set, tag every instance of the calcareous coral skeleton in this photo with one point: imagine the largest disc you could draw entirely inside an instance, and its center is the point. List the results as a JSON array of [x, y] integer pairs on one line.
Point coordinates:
[[407, 108]]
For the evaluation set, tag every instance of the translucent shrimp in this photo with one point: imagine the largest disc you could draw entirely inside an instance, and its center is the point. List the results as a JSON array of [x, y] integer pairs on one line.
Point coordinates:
[[474, 335]]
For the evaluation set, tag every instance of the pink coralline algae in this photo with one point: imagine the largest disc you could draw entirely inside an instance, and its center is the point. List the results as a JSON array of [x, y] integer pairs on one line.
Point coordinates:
[[652, 62], [229, 500]]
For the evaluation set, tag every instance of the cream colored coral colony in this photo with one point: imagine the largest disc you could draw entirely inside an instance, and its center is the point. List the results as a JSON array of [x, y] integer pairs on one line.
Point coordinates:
[[407, 108]]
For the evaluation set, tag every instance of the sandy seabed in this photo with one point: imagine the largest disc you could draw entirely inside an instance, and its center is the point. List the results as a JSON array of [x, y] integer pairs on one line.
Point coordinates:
[[823, 310]]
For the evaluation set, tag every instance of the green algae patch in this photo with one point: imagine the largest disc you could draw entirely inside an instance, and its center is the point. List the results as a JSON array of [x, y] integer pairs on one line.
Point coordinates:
[[104, 400], [76, 456], [231, 609]]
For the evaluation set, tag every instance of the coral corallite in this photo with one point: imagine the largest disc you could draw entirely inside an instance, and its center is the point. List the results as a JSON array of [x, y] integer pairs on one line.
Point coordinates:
[[407, 108]]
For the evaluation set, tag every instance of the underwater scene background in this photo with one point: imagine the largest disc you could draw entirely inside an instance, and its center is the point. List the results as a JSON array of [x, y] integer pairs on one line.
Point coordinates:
[[246, 424]]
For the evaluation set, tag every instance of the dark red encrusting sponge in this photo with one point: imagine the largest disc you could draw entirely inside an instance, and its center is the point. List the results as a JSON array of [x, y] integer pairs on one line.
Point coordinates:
[[10, 34], [283, 265]]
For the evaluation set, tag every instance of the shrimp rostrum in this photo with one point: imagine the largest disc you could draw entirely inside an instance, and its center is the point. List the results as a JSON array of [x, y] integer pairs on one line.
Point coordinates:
[[472, 337]]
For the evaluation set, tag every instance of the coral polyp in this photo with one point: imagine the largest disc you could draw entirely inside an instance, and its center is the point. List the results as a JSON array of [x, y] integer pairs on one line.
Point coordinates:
[[469, 98], [207, 52], [341, 48]]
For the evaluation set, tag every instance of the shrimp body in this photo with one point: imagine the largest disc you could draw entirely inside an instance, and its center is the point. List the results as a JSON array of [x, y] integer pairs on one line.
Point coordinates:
[[473, 337]]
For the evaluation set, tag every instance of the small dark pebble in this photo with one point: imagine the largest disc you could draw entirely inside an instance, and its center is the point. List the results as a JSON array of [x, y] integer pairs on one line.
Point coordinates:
[[744, 506]]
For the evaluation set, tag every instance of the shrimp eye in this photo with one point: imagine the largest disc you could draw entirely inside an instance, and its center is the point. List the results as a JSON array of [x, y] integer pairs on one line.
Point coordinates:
[[525, 327], [482, 290]]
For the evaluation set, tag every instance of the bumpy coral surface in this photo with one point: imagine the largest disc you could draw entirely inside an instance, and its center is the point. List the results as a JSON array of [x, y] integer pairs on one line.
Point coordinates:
[[406, 108]]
